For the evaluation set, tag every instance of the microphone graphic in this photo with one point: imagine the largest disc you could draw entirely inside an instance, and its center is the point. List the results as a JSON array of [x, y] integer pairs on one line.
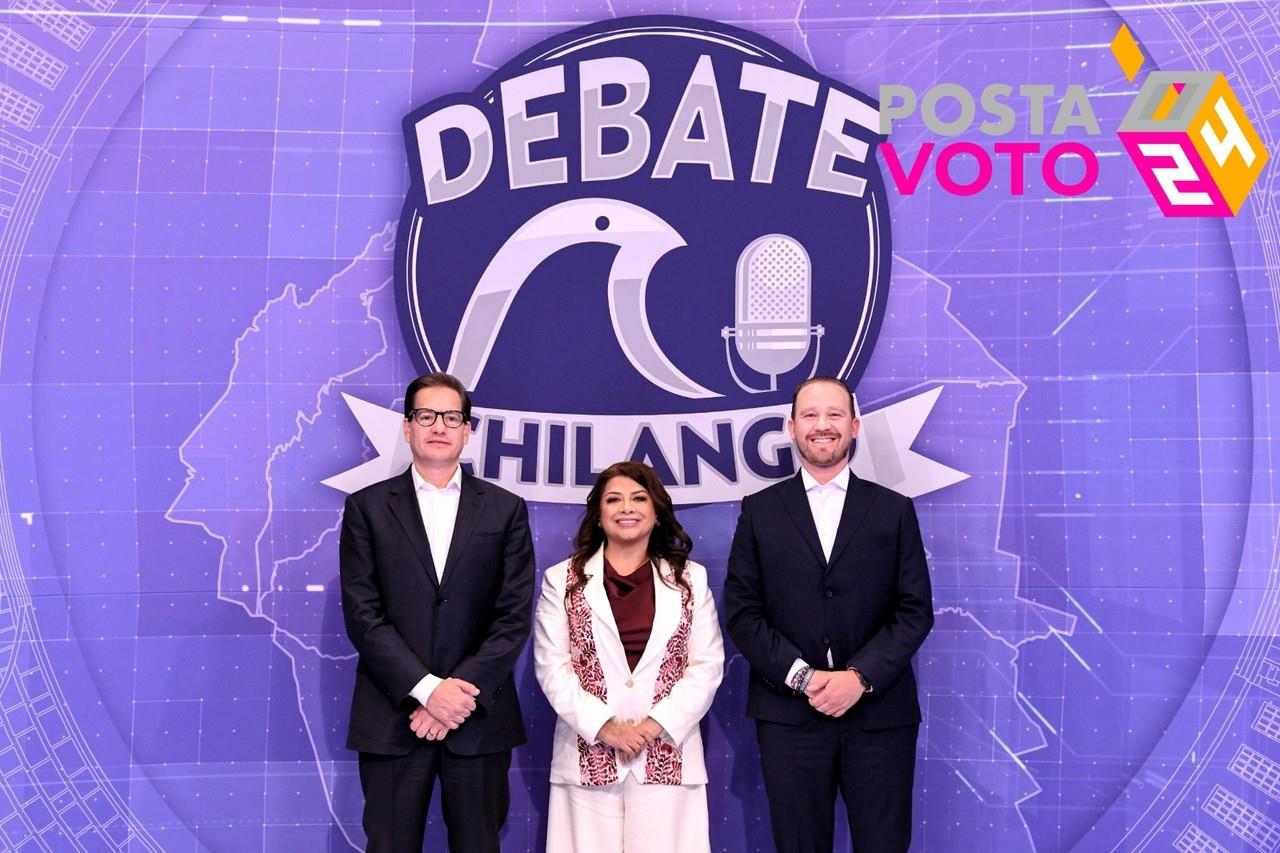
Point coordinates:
[[773, 288]]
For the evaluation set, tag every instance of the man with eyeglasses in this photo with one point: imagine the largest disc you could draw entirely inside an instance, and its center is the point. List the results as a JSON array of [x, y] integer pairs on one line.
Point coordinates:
[[437, 582]]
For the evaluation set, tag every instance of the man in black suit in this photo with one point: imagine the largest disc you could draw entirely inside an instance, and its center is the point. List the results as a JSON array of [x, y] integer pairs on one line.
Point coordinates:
[[437, 583], [828, 598]]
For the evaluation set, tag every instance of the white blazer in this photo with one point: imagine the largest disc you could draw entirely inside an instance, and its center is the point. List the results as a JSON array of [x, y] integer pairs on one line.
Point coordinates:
[[680, 628]]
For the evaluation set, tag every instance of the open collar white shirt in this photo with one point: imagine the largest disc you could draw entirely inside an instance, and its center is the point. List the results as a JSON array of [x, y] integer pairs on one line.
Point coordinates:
[[826, 502], [439, 510]]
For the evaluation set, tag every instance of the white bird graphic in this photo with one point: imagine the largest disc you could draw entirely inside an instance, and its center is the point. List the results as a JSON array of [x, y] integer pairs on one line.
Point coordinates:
[[642, 239]]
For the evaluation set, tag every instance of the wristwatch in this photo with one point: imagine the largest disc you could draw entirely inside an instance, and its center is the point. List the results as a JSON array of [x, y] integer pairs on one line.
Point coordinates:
[[866, 685]]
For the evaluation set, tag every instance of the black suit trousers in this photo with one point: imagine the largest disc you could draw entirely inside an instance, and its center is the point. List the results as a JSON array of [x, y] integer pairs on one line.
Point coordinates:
[[806, 764], [397, 795]]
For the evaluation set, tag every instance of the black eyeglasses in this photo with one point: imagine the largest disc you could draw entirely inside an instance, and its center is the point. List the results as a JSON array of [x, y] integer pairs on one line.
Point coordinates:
[[426, 417]]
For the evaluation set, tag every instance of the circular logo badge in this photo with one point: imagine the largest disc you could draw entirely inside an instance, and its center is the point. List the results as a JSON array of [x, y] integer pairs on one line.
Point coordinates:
[[657, 218]]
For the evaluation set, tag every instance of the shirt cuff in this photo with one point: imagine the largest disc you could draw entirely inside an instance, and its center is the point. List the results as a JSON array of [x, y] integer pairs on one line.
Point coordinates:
[[423, 689], [795, 668]]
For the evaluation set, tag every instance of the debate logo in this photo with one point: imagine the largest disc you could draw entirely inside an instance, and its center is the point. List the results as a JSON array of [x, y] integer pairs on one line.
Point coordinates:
[[1189, 137], [632, 241]]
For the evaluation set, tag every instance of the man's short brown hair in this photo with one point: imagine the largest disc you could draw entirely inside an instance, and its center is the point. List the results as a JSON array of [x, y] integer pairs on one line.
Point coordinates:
[[437, 380], [853, 405]]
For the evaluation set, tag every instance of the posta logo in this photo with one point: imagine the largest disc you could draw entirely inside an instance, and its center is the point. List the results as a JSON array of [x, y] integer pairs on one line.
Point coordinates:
[[632, 242], [1186, 133]]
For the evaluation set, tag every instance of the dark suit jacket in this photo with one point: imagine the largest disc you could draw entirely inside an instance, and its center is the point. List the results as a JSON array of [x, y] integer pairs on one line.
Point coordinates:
[[871, 604], [405, 624]]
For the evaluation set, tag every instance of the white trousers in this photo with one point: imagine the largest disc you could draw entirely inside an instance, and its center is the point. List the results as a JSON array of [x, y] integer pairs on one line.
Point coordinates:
[[628, 817]]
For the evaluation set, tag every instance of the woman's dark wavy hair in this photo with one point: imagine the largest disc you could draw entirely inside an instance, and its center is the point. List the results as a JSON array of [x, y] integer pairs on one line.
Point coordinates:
[[668, 541]]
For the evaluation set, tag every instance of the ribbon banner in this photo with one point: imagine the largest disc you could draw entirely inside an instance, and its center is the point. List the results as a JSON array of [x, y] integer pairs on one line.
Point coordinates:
[[702, 457]]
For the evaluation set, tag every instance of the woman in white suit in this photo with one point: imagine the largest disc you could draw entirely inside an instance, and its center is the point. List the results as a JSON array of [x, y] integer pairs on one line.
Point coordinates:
[[627, 649]]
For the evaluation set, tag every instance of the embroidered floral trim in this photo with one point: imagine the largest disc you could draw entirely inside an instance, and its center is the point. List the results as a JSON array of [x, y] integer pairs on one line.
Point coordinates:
[[664, 762], [597, 762]]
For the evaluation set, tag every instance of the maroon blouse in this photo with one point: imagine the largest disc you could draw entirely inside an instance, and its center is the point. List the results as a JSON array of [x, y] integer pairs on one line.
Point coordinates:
[[631, 599]]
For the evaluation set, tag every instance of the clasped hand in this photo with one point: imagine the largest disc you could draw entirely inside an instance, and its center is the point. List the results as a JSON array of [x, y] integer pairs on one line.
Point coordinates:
[[447, 707], [833, 693], [629, 738], [426, 726]]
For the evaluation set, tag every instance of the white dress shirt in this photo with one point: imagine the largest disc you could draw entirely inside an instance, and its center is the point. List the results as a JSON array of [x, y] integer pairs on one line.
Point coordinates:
[[439, 511], [826, 503]]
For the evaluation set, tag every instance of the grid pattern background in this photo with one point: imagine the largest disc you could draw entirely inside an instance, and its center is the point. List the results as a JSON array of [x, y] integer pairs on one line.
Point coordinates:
[[197, 213]]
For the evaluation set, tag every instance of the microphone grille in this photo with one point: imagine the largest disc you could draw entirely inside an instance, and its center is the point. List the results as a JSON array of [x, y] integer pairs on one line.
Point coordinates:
[[777, 281]]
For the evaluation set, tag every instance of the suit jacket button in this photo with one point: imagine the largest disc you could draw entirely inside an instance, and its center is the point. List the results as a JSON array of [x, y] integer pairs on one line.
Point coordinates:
[[630, 683], [830, 593], [826, 641], [442, 601]]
